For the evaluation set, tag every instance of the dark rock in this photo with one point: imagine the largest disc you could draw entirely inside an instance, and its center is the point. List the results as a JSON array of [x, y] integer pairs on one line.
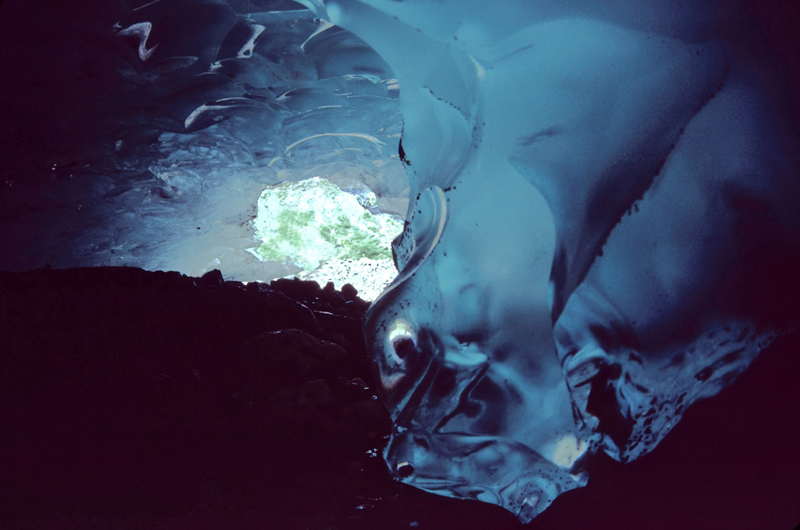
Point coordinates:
[[134, 399], [212, 277]]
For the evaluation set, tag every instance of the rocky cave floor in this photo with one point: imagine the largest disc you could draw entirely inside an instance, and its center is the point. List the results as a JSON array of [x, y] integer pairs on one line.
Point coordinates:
[[134, 399]]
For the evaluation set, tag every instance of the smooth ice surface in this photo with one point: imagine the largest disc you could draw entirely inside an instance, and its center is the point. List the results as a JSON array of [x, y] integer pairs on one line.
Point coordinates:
[[152, 137], [595, 185], [602, 197]]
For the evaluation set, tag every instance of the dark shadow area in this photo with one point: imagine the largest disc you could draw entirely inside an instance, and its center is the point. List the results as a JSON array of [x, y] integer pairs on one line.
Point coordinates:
[[133, 399], [136, 399]]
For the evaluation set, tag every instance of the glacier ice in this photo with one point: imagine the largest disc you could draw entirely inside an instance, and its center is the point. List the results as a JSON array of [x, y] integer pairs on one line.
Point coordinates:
[[601, 200], [312, 221], [170, 124], [593, 182]]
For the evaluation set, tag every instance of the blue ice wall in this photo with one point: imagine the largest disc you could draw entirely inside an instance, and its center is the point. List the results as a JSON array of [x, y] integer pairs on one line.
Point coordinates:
[[602, 197], [594, 184], [142, 133]]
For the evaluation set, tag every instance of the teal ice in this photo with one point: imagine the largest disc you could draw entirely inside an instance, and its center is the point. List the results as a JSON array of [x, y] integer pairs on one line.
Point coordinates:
[[589, 181]]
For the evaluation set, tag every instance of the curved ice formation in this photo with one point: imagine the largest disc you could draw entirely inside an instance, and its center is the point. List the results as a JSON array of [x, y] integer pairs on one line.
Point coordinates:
[[161, 131], [603, 215], [597, 185]]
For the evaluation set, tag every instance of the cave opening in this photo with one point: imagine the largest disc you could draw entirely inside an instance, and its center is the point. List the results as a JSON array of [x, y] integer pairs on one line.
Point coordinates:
[[184, 115], [209, 135]]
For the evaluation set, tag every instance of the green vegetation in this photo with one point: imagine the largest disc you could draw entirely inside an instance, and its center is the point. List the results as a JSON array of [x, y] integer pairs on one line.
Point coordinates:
[[312, 221], [353, 242]]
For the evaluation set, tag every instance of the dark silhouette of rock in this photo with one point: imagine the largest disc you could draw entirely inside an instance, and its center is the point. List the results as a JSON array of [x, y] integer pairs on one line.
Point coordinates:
[[134, 399]]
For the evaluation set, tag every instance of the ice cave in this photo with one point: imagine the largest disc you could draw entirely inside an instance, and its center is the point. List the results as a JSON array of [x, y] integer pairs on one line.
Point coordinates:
[[305, 264]]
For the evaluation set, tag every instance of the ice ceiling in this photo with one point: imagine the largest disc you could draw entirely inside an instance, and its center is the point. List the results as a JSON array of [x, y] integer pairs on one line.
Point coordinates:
[[174, 120], [604, 203], [593, 184]]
